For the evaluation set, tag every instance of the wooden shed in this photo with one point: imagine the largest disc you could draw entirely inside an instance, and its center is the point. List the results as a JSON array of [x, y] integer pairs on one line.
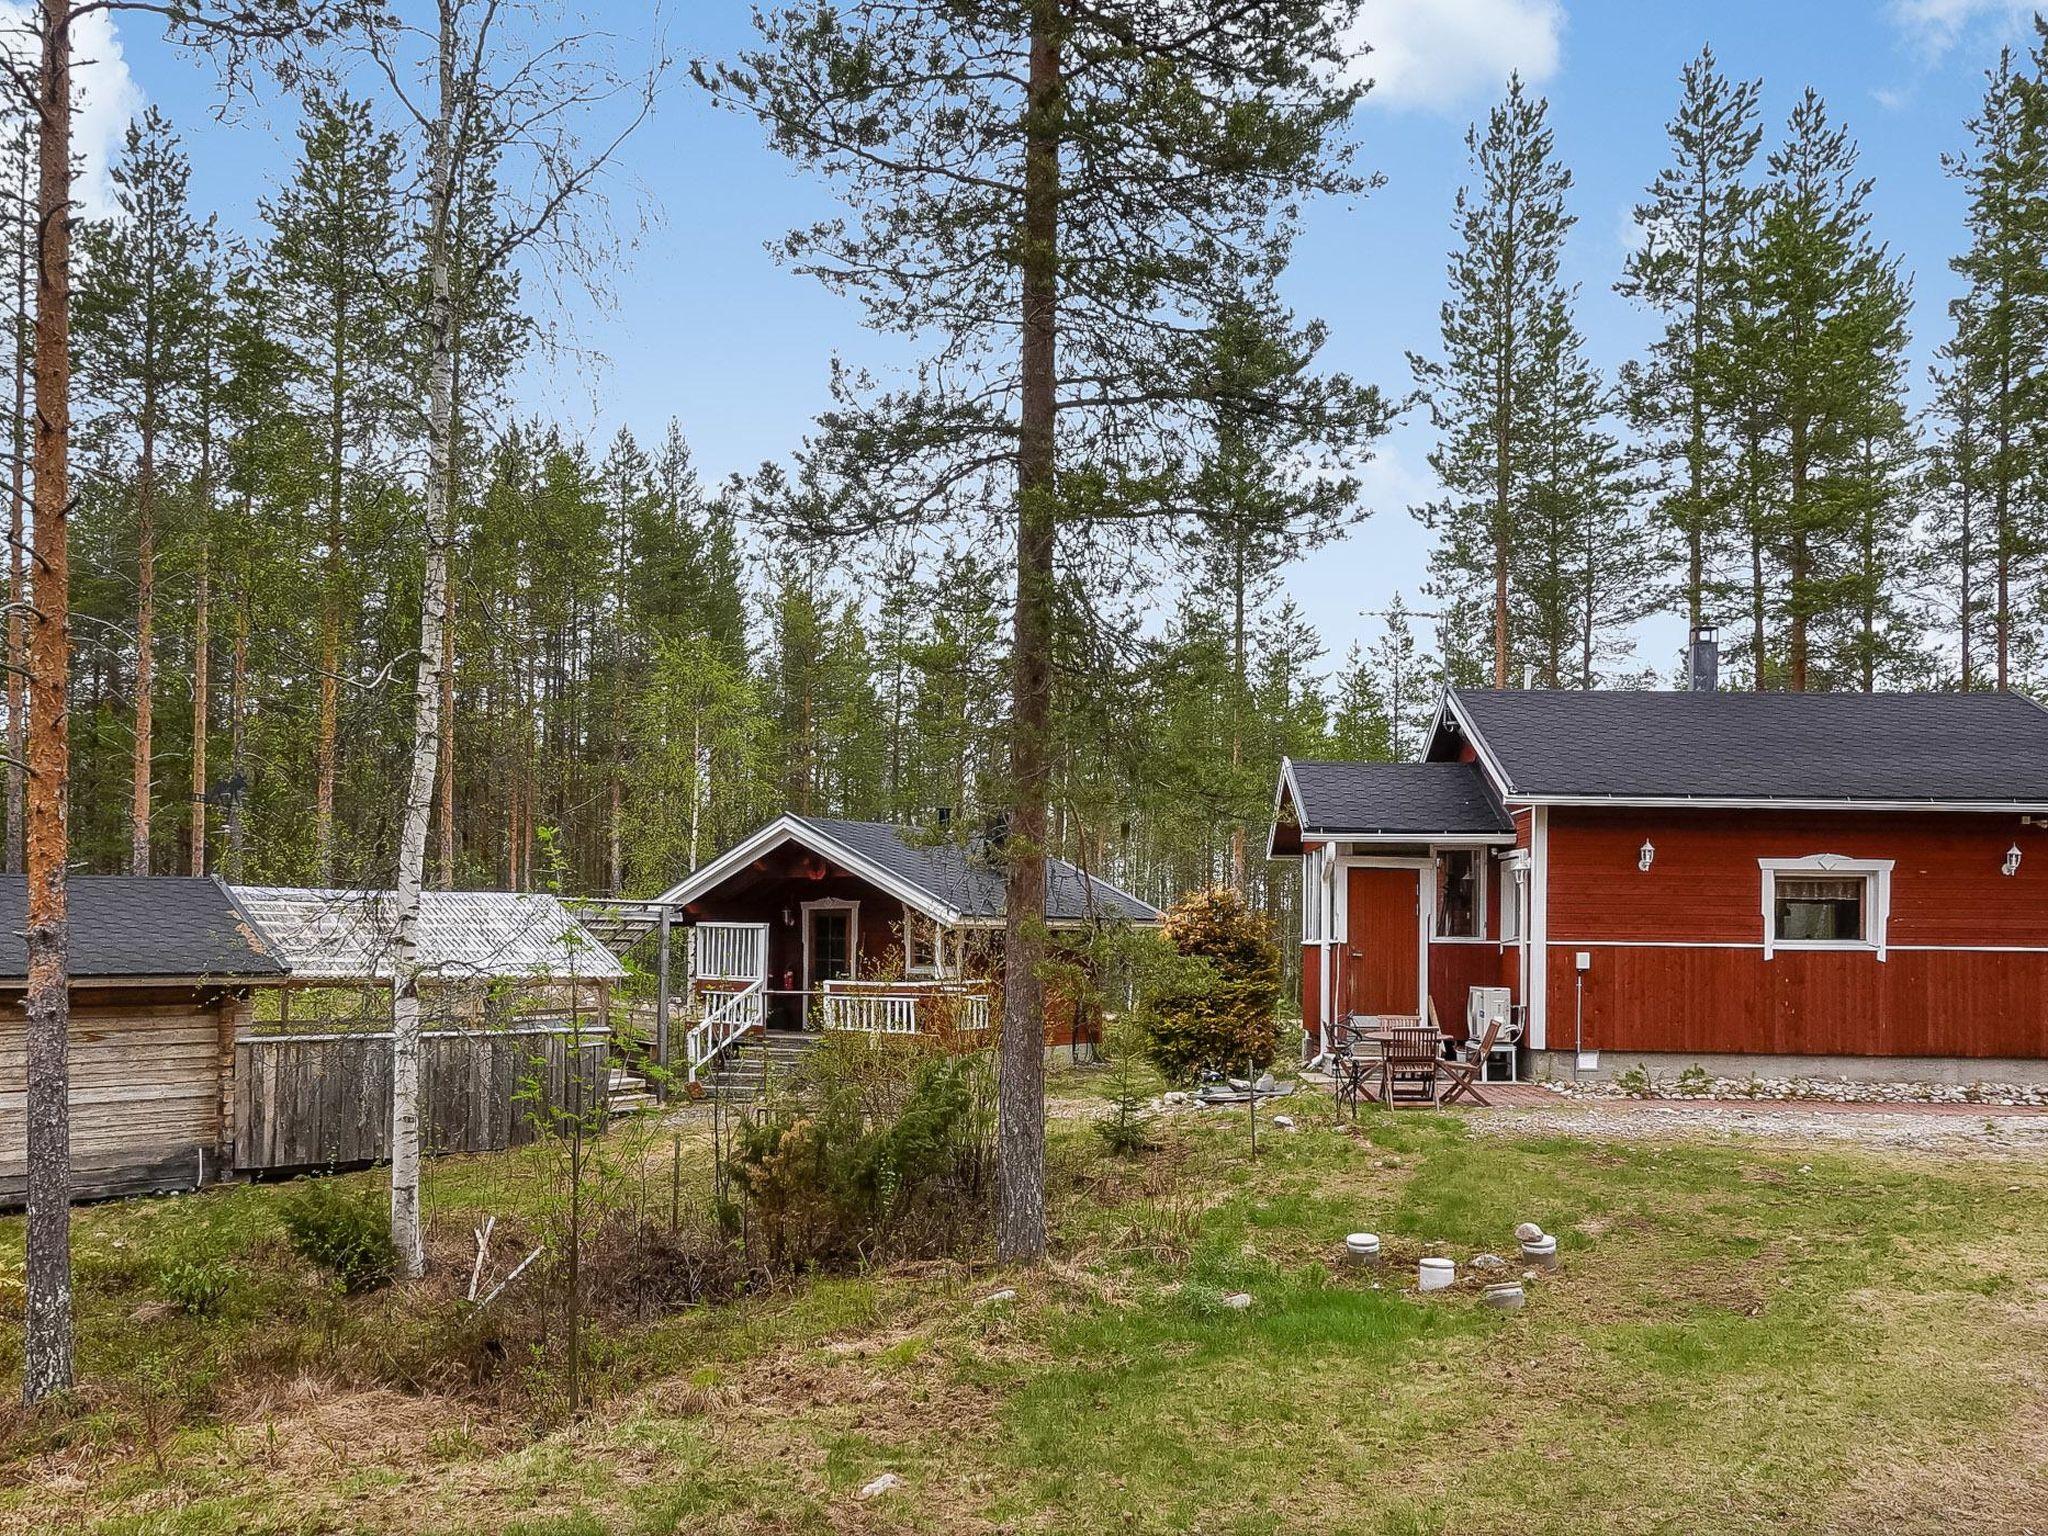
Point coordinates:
[[161, 977]]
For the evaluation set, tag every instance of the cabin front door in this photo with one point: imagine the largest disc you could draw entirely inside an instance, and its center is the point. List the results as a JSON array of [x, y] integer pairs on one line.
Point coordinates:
[[828, 942], [1383, 949]]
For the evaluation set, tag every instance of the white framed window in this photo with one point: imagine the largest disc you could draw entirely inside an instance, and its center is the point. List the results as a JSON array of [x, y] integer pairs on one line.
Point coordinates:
[[1514, 898], [1315, 866], [920, 945], [1826, 901], [1460, 893]]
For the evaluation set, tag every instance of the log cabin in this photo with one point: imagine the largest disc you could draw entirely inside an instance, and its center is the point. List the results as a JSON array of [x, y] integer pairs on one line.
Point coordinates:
[[161, 974], [817, 923], [1777, 884]]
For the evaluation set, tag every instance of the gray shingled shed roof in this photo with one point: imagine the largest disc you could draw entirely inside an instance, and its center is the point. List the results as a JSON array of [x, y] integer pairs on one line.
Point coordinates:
[[955, 883], [124, 927], [1954, 748], [1393, 799], [971, 886], [338, 935]]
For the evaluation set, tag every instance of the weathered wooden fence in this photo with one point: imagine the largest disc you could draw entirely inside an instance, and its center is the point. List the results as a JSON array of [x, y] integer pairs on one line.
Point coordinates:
[[316, 1100]]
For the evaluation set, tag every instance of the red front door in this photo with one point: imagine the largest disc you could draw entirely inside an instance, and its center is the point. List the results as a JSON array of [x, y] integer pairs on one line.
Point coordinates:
[[1383, 956]]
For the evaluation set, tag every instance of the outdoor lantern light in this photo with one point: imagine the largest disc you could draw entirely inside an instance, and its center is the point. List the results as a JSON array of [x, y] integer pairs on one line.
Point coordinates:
[[1646, 856], [2011, 866]]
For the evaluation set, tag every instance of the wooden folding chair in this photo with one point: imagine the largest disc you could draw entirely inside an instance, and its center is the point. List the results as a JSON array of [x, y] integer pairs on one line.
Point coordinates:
[[1469, 1069], [1409, 1068]]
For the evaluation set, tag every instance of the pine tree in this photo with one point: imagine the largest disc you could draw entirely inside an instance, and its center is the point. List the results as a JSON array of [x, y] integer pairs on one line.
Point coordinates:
[[1583, 569], [1829, 348], [1686, 270], [1959, 541], [1510, 223], [1064, 196], [2001, 340], [140, 308], [335, 269]]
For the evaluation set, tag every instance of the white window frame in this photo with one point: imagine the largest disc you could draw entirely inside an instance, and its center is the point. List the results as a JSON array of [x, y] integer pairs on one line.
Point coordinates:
[[914, 924], [1876, 875], [1514, 898], [1480, 905]]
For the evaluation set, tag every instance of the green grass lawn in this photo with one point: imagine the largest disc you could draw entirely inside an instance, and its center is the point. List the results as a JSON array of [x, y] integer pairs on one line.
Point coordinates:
[[1739, 1338]]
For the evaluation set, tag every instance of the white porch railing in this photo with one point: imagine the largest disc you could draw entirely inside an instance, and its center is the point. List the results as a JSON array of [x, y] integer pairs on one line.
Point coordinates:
[[727, 1017], [904, 1007], [723, 954], [730, 952]]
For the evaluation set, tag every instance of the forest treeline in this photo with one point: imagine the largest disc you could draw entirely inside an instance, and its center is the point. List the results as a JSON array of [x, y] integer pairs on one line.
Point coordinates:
[[643, 670]]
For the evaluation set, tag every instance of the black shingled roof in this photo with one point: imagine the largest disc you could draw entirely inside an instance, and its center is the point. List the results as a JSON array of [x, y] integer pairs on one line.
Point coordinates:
[[126, 926], [1985, 748], [956, 879], [1389, 799]]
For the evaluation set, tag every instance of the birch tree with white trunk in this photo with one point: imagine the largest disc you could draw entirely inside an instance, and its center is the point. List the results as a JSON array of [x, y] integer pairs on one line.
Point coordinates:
[[502, 96]]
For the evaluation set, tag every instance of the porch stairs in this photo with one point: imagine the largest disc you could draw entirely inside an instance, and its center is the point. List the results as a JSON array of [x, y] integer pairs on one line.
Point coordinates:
[[629, 1092], [742, 1072]]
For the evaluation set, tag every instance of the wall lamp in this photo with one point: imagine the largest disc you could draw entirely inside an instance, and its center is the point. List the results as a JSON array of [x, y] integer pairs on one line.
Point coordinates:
[[1646, 856], [2011, 866]]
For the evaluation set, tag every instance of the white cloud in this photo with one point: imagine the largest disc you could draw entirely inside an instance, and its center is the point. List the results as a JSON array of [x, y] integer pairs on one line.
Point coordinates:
[[1891, 100], [1935, 25], [107, 96], [1437, 54]]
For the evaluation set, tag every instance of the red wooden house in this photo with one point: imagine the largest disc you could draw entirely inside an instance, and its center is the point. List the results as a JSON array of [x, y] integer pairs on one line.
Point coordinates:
[[1826, 884]]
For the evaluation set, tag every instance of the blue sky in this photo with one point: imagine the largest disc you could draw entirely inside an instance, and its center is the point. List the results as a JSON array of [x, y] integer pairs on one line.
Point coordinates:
[[703, 326]]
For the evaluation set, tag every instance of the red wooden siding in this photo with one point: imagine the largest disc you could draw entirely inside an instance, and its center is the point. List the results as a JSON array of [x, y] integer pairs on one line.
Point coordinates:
[[1644, 992], [1454, 969], [1311, 992]]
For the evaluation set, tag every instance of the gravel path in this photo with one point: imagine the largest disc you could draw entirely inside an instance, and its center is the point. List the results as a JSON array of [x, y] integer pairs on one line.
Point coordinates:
[[1936, 1129]]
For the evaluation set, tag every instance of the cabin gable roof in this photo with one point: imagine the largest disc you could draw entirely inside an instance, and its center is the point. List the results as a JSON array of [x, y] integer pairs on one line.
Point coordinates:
[[145, 927], [944, 881], [1387, 801], [1905, 750]]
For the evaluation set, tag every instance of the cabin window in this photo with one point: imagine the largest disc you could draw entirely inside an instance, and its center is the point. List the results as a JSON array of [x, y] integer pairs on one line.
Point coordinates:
[[1514, 897], [920, 945], [1315, 866], [1820, 911], [1826, 901], [1458, 894]]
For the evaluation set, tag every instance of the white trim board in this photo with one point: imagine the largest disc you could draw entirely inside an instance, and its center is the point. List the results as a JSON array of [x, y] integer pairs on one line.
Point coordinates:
[[1877, 877]]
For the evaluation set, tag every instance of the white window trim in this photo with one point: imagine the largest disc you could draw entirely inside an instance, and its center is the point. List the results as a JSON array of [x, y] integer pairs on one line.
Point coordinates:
[[852, 911], [934, 932], [1877, 911], [1484, 903], [1514, 876]]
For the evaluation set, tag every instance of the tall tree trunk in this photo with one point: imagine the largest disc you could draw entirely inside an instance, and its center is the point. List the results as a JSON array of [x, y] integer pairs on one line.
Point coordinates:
[[1800, 574], [201, 703], [46, 1340], [426, 741], [238, 711], [145, 641], [445, 792], [445, 865], [325, 741], [17, 531], [1020, 1137]]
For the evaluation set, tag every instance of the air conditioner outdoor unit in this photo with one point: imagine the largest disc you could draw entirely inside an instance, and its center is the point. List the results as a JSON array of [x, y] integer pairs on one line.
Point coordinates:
[[1483, 1003]]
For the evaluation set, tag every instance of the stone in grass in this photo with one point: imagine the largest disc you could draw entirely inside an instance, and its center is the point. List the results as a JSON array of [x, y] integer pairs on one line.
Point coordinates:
[[1528, 1232], [1237, 1301], [997, 1299], [1487, 1261], [1285, 1122], [888, 1482]]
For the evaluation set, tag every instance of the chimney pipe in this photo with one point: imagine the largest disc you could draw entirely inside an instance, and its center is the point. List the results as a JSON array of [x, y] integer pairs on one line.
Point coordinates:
[[1703, 659]]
